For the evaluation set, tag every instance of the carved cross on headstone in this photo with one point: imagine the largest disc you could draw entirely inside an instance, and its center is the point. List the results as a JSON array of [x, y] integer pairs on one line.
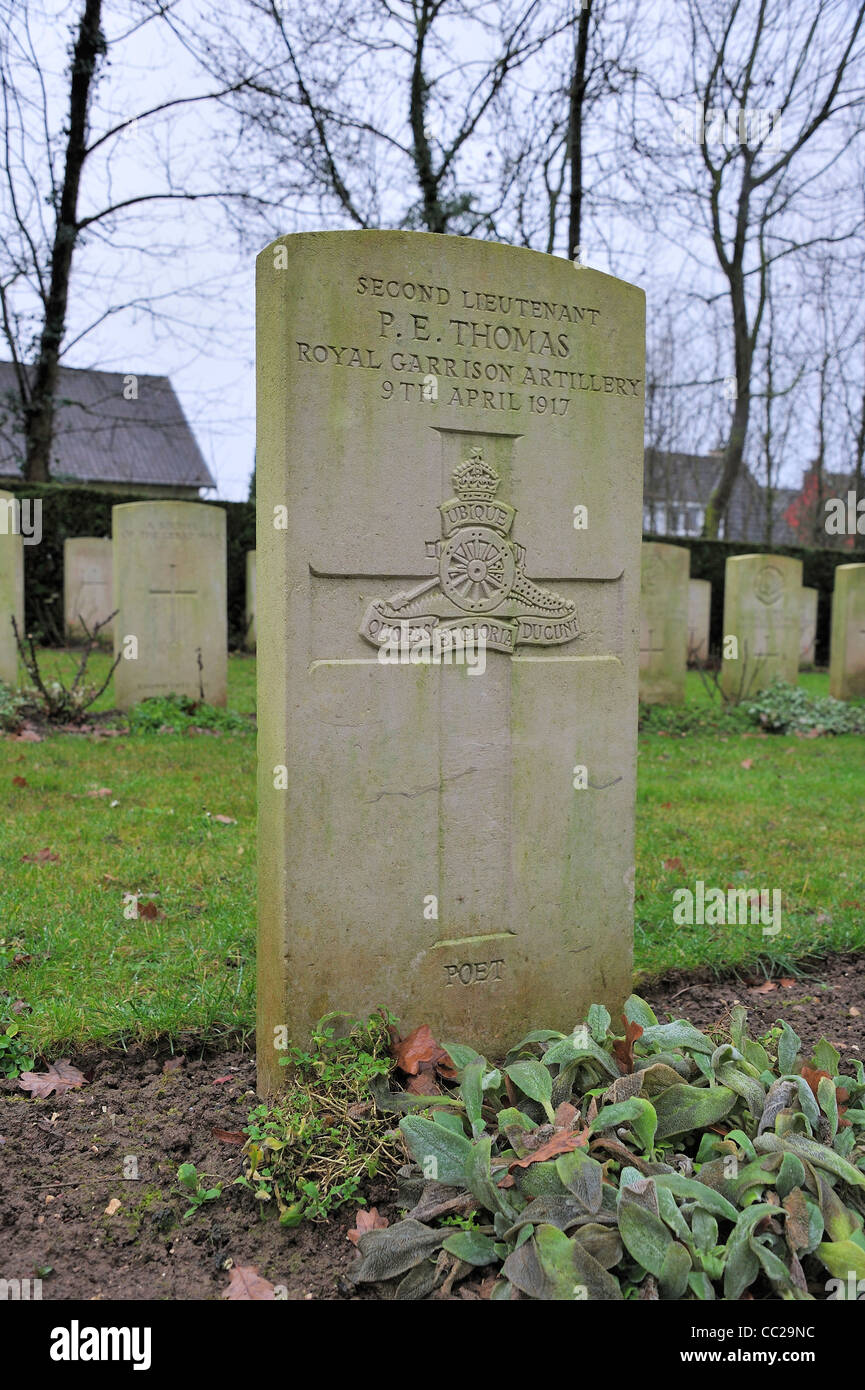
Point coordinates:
[[173, 593], [480, 565]]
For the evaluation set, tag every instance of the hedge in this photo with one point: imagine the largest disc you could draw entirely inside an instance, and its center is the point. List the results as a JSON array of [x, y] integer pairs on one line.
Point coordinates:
[[708, 559], [70, 511], [75, 511]]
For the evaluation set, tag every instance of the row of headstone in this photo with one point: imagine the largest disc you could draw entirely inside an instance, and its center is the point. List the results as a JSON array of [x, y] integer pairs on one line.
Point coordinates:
[[168, 560], [770, 617]]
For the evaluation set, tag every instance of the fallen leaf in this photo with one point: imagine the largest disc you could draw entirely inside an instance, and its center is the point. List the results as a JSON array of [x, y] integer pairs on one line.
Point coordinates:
[[366, 1221], [246, 1283], [623, 1048], [665, 805], [102, 791], [60, 1077], [19, 781], [673, 863], [854, 1012], [418, 1050], [786, 984], [113, 1206], [765, 988], [747, 763], [564, 1141], [813, 1077], [41, 856], [229, 1136], [565, 1115], [224, 820], [149, 911], [23, 958], [424, 1084]]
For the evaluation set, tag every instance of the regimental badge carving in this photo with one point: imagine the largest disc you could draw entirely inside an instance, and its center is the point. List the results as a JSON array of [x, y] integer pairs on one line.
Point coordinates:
[[481, 587], [770, 585]]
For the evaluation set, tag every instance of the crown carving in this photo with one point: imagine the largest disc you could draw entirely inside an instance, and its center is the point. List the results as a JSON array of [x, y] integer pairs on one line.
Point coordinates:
[[475, 479]]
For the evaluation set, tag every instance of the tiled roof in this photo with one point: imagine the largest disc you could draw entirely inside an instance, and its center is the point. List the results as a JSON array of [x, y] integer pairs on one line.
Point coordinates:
[[101, 437]]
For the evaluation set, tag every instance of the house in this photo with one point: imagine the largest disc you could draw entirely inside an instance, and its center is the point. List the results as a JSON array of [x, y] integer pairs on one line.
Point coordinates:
[[677, 488], [115, 432]]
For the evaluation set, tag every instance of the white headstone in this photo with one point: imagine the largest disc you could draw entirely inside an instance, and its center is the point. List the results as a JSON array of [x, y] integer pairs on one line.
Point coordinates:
[[808, 632], [847, 653], [439, 421], [699, 609], [87, 585], [170, 593], [11, 587]]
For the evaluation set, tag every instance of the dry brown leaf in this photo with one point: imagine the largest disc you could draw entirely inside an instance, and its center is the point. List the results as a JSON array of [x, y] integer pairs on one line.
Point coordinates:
[[149, 911], [229, 1136], [248, 1284], [623, 1048], [418, 1050], [674, 863], [19, 781], [765, 988], [424, 1084], [41, 856], [113, 1206], [366, 1221], [60, 1077], [224, 820], [562, 1142]]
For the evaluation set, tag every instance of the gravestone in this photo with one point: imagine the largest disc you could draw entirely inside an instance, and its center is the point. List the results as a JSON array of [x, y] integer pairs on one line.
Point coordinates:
[[250, 638], [11, 587], [762, 613], [87, 585], [808, 630], [170, 593], [847, 652], [663, 622], [447, 671], [699, 609]]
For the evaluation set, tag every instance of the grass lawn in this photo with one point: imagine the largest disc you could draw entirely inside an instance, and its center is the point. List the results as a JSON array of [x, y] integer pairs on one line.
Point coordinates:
[[72, 950]]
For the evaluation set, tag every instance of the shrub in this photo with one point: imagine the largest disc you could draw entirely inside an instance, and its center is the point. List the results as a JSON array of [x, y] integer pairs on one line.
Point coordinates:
[[665, 1163]]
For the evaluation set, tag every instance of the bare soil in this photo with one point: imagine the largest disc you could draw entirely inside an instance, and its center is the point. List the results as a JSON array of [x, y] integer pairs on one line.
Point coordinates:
[[62, 1159]]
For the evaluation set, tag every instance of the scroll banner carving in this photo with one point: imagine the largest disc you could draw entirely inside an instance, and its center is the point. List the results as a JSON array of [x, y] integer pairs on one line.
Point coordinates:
[[481, 595]]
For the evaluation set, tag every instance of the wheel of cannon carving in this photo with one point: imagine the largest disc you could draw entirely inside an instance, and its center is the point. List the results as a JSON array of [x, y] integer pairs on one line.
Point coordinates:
[[476, 569]]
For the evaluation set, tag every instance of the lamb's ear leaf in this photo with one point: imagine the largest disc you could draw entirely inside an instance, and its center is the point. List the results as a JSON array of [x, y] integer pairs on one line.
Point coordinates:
[[434, 1147], [396, 1250], [471, 1246], [636, 1010]]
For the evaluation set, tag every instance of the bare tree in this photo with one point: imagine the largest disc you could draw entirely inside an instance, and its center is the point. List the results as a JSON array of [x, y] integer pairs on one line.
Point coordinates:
[[43, 173], [375, 112], [765, 84]]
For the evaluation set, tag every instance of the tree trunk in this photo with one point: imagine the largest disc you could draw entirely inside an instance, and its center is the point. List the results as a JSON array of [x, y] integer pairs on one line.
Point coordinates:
[[39, 409], [575, 130]]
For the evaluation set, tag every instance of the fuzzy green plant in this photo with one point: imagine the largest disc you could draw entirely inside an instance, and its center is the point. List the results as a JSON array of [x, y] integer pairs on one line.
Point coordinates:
[[662, 1164], [787, 709]]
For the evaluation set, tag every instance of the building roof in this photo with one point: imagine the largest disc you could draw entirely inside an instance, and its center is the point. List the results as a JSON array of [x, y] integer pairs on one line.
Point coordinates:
[[101, 437]]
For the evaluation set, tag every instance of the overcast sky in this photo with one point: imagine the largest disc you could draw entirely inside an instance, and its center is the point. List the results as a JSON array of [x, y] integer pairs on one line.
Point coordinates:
[[187, 283]]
